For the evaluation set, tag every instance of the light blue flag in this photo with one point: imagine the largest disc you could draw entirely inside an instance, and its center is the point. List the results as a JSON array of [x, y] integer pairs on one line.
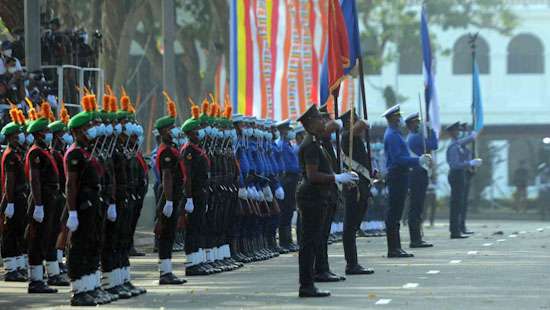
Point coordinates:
[[477, 102]]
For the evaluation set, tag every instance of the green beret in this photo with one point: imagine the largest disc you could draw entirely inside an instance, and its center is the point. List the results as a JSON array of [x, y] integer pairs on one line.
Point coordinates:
[[120, 114], [10, 128], [38, 125], [164, 121], [204, 118], [190, 124], [57, 126], [80, 120]]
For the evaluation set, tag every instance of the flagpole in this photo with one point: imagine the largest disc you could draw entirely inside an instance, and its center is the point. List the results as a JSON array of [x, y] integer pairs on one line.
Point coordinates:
[[335, 94], [364, 105], [473, 38]]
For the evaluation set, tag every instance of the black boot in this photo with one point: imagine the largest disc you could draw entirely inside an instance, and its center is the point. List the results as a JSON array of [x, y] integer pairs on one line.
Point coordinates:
[[58, 280], [416, 237], [82, 300], [312, 291], [170, 279], [394, 244], [40, 287], [15, 276]]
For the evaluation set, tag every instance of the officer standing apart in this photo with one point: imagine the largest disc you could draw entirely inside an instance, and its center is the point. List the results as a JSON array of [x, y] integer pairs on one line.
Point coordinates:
[[418, 179], [398, 164], [312, 196], [355, 196], [460, 162]]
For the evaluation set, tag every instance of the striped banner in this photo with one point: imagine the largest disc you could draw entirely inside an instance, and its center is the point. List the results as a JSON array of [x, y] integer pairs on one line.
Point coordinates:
[[274, 56]]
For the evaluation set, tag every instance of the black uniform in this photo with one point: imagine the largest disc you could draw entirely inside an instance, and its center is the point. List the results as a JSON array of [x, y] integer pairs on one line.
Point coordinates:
[[83, 258], [313, 203], [321, 257], [13, 242], [42, 236], [167, 159], [355, 197], [197, 166]]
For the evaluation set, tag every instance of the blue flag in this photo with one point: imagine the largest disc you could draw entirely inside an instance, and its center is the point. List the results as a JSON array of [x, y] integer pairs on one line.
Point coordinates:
[[477, 102], [349, 11], [430, 94]]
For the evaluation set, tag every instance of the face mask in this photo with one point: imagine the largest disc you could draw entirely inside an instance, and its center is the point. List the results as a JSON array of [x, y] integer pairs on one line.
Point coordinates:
[[67, 138], [333, 137], [139, 130], [101, 131], [174, 132], [12, 70], [8, 53], [91, 133], [109, 130], [291, 135], [29, 139], [118, 129], [277, 135], [48, 137], [269, 136], [401, 122], [201, 133], [140, 141], [21, 138], [128, 129], [27, 83]]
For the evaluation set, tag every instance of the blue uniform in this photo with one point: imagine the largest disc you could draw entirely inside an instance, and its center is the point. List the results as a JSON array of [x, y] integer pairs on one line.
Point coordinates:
[[289, 154], [398, 163], [458, 158], [418, 182], [397, 153], [415, 141]]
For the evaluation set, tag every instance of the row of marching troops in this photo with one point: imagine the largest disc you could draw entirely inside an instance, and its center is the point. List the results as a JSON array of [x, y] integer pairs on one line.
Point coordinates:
[[76, 184]]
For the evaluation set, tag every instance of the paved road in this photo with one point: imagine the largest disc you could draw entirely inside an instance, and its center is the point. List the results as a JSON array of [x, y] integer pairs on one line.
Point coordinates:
[[488, 271]]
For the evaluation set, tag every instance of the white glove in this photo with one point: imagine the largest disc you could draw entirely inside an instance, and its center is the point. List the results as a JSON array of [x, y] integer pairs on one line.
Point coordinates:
[[111, 212], [425, 160], [168, 208], [260, 195], [374, 191], [280, 193], [250, 193], [346, 177], [243, 193], [72, 221], [10, 210], [474, 134], [189, 206], [268, 195], [476, 162], [38, 214], [340, 123]]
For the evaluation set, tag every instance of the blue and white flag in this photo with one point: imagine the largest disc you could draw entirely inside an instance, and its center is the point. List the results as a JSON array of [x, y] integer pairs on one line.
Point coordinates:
[[430, 93]]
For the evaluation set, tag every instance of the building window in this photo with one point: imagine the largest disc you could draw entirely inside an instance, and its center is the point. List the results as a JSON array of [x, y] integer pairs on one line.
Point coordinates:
[[525, 55], [462, 55], [410, 55]]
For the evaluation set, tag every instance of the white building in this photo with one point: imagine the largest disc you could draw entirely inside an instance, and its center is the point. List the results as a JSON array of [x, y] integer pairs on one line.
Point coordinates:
[[515, 76]]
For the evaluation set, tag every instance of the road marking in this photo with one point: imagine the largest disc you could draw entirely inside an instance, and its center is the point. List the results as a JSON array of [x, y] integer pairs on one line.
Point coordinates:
[[433, 272], [522, 232], [487, 244], [512, 236], [383, 302], [501, 240], [472, 253], [410, 285], [540, 229], [455, 261]]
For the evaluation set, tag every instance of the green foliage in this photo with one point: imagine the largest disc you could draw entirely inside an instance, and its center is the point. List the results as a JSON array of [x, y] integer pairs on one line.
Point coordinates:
[[397, 22]]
